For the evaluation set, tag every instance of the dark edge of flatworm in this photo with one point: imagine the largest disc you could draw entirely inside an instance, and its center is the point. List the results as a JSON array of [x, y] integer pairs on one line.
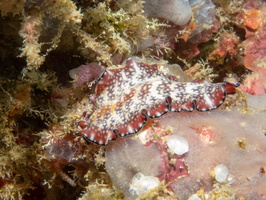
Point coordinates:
[[87, 139], [136, 131], [94, 141], [145, 113], [101, 77], [168, 101]]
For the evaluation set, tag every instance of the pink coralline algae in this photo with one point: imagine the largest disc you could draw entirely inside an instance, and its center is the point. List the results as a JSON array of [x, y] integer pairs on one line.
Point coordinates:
[[254, 83], [126, 97], [254, 47], [227, 46]]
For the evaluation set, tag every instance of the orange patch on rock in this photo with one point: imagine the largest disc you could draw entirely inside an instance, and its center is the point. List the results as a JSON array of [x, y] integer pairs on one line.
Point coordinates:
[[205, 132], [188, 30], [252, 19]]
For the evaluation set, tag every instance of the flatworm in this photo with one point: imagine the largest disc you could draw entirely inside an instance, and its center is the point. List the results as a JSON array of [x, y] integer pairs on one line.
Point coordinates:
[[126, 97]]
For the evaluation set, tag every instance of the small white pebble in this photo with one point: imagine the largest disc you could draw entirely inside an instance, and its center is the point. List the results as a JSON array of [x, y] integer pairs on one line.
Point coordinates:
[[221, 173], [194, 197], [142, 184], [177, 144], [231, 179]]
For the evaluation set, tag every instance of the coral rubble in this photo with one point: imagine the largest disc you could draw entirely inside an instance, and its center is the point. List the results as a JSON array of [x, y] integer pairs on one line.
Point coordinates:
[[43, 94]]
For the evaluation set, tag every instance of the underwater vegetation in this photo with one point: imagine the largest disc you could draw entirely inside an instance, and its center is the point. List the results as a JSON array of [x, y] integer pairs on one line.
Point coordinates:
[[55, 55]]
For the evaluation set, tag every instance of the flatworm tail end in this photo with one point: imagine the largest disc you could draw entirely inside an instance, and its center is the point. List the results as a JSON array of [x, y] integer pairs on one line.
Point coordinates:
[[203, 96], [214, 96]]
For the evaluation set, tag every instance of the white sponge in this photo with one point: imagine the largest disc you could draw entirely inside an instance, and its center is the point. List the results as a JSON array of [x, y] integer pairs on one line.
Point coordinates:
[[176, 11], [177, 144], [142, 184], [221, 173]]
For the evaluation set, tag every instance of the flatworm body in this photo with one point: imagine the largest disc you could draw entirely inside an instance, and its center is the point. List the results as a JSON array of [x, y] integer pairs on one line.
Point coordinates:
[[126, 97]]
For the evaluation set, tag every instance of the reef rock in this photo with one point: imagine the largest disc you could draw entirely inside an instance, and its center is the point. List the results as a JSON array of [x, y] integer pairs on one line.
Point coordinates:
[[226, 150]]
